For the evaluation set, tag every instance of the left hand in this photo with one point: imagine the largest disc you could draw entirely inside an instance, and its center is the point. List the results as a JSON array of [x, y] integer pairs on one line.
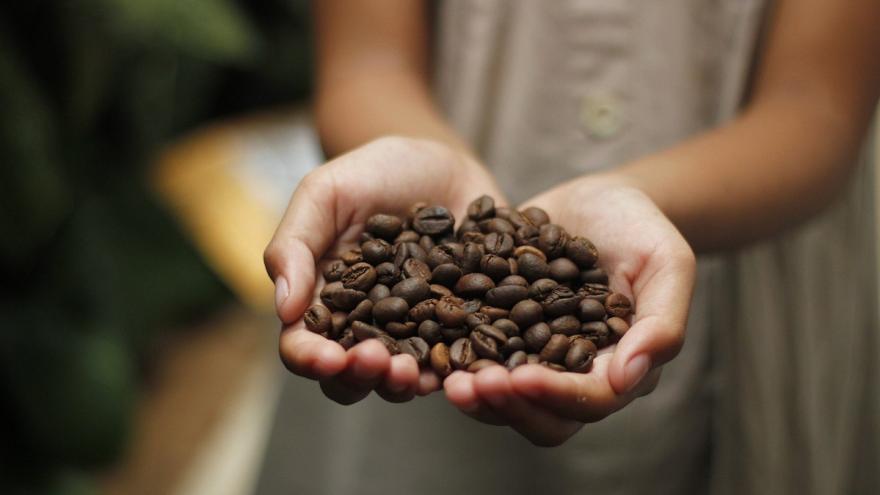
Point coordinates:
[[650, 262]]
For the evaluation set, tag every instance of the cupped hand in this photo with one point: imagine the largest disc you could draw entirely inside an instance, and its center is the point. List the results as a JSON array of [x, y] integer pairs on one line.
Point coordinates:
[[649, 261], [325, 215]]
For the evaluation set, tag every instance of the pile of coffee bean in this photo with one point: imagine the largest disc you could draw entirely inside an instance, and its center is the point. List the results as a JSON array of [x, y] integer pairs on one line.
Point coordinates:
[[506, 287]]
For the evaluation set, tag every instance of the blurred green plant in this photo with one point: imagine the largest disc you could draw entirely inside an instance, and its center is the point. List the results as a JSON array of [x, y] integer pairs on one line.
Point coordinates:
[[92, 268]]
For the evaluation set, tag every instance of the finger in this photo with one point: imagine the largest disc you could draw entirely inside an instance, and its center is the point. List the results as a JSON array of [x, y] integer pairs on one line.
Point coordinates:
[[535, 422], [402, 380], [366, 364], [428, 382], [663, 292], [310, 355], [459, 388]]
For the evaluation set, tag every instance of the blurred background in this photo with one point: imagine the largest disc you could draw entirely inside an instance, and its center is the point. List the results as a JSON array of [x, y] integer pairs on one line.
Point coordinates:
[[148, 148]]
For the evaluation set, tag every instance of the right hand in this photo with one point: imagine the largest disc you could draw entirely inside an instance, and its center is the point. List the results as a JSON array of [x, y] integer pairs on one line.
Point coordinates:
[[325, 216]]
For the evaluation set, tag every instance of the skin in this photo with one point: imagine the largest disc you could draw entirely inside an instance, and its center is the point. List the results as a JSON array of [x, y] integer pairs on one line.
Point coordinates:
[[783, 158]]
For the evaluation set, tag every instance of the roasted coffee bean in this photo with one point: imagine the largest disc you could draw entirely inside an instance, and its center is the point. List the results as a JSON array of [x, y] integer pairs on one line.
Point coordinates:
[[340, 323], [473, 285], [469, 260], [563, 270], [521, 250], [560, 301], [591, 310], [467, 226], [406, 250], [481, 208], [352, 257], [384, 226], [347, 299], [407, 236], [509, 328], [579, 358], [378, 292], [495, 267], [481, 364], [376, 251], [347, 340], [517, 219], [598, 292], [512, 345], [499, 244], [427, 243], [363, 331], [415, 208], [413, 268], [440, 255], [513, 280], [387, 274], [503, 212], [333, 270], [516, 359], [390, 309], [514, 267], [555, 349], [438, 291], [365, 236], [527, 235], [413, 290], [532, 267], [541, 288], [594, 276], [390, 343], [439, 358], [400, 330], [451, 334], [494, 313], [596, 331], [362, 312], [461, 354], [582, 252], [449, 311], [417, 348], [506, 296], [318, 319], [474, 320], [433, 220], [472, 305], [553, 366], [526, 313], [476, 237], [552, 239], [566, 325], [422, 311], [536, 216], [446, 274], [496, 225], [360, 276], [327, 293], [430, 331], [617, 325], [537, 336], [616, 304], [533, 359], [487, 341]]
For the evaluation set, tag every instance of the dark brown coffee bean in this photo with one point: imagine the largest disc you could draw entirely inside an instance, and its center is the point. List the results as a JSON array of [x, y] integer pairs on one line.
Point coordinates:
[[441, 255], [491, 331], [487, 341], [449, 311], [481, 364], [413, 290], [617, 325], [582, 252], [474, 320], [533, 359], [566, 325], [526, 313], [427, 243], [365, 236], [400, 330], [563, 270], [518, 220], [481, 208], [439, 358], [552, 239], [475, 237], [451, 334], [467, 226], [360, 276], [598, 292], [438, 291], [352, 257], [516, 359], [536, 216], [378, 292], [556, 349], [553, 366], [506, 296], [333, 270], [347, 299], [390, 343], [363, 331], [537, 336], [406, 250], [433, 220], [407, 236], [495, 267], [494, 313], [499, 244], [513, 344], [532, 267], [340, 323], [579, 358], [387, 274], [327, 293], [473, 285], [509, 328], [384, 226], [461, 354], [513, 280], [594, 276], [503, 211], [542, 288], [591, 310], [596, 331], [413, 268], [376, 251], [422, 311], [362, 312], [417, 348], [521, 250], [472, 305], [430, 331], [446, 274], [560, 301], [347, 340], [318, 319], [469, 260], [497, 225], [527, 235], [390, 309], [616, 304]]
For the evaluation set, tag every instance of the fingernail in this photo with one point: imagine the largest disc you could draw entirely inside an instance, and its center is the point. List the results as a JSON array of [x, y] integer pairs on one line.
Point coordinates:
[[281, 291], [635, 370]]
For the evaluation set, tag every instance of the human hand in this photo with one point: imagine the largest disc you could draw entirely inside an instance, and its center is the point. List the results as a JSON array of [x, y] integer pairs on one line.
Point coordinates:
[[648, 261], [325, 215]]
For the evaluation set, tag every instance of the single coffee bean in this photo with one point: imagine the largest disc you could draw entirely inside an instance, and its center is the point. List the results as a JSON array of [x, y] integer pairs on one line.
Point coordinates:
[[616, 304], [461, 354], [556, 349], [563, 270], [438, 291], [469, 261], [591, 310], [552, 239], [384, 226], [390, 343], [506, 296], [318, 319], [333, 270], [566, 325], [390, 309], [406, 250], [346, 299], [360, 276], [527, 235], [376, 251], [495, 267], [415, 208], [352, 257], [582, 252], [476, 237], [429, 330], [516, 359], [560, 301], [474, 320], [594, 276], [413, 290], [347, 340], [532, 267], [513, 280], [521, 250], [449, 311], [487, 341], [553, 366], [473, 285], [579, 358], [472, 305], [537, 336], [451, 334], [596, 331], [533, 359], [327, 293], [598, 292], [378, 292], [542, 288], [617, 325], [340, 323], [400, 330], [387, 274], [422, 311], [513, 344], [413, 268], [509, 328], [499, 244], [481, 208], [536, 216], [362, 312], [496, 225], [526, 313], [518, 220], [448, 238], [446, 274], [467, 226], [407, 236], [481, 364], [417, 348], [494, 313], [433, 220], [363, 331], [427, 243], [365, 236], [503, 211], [441, 255]]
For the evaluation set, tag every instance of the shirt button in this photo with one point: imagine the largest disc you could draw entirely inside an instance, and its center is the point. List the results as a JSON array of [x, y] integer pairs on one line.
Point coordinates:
[[602, 115]]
